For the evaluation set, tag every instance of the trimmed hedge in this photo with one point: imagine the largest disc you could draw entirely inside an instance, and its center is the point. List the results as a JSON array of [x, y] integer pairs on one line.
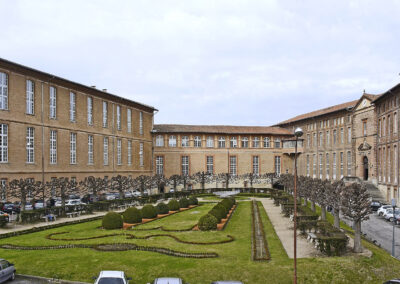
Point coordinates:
[[3, 221], [207, 222], [223, 209], [112, 221], [162, 208], [132, 215], [149, 212], [183, 202], [193, 200], [218, 213], [173, 205]]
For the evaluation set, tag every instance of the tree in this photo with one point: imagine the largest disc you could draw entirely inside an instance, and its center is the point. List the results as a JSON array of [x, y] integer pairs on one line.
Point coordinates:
[[334, 200], [159, 181], [92, 185], [202, 178], [313, 192], [63, 187], [355, 205], [121, 184], [141, 183], [174, 181], [23, 189], [322, 190]]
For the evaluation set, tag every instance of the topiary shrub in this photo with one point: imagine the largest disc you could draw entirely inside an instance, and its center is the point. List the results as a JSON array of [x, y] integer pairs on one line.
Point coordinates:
[[207, 222], [132, 215], [149, 212], [193, 201], [232, 199], [183, 202], [217, 213], [112, 220], [223, 209], [227, 203], [173, 205], [162, 208]]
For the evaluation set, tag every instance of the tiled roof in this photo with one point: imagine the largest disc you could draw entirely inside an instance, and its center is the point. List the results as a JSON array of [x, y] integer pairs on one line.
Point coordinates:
[[390, 91], [371, 96], [320, 112], [219, 129]]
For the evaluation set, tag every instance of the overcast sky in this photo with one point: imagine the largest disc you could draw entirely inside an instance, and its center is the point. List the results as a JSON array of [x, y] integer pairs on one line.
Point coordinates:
[[212, 61]]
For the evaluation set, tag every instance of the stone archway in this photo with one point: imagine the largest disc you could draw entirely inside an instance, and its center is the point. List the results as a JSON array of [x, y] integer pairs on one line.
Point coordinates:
[[365, 168]]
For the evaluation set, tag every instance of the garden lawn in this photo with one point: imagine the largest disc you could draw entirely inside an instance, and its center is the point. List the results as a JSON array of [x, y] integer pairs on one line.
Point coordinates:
[[234, 261]]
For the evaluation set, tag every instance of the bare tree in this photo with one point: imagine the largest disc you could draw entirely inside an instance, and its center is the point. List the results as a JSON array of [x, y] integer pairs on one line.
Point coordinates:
[[159, 181], [322, 190], [63, 187], [334, 200], [141, 183], [23, 189], [121, 184], [313, 192], [203, 178], [174, 181], [92, 185], [355, 205]]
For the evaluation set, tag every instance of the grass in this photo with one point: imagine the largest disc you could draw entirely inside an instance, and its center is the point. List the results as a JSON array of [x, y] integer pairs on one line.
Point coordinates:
[[216, 198], [234, 261]]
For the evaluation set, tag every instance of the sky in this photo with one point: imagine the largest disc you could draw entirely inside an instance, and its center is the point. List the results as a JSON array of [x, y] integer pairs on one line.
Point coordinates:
[[227, 62]]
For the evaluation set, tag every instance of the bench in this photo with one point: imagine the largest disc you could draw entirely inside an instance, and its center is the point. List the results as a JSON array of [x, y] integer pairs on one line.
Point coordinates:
[[50, 217]]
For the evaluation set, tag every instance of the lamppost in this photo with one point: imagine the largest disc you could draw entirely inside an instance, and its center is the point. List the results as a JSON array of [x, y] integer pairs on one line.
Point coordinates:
[[394, 222], [298, 133]]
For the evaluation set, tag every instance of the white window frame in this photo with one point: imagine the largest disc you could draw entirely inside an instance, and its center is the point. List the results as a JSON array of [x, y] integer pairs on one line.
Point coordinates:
[[233, 142], [210, 164], [30, 97], [267, 142], [3, 91], [90, 110], [341, 156], [72, 148], [349, 135], [159, 165], [277, 165], [160, 141], [210, 142], [53, 102], [185, 141], [3, 143], [245, 142], [30, 145], [105, 151], [197, 141], [105, 114], [129, 152], [348, 163], [256, 165], [141, 123], [342, 135], [118, 117], [277, 143], [327, 165], [233, 165], [90, 150], [308, 165], [321, 164], [141, 154], [72, 107], [221, 142], [328, 138], [119, 152], [256, 142], [185, 165], [53, 147], [172, 141], [129, 119], [314, 165]]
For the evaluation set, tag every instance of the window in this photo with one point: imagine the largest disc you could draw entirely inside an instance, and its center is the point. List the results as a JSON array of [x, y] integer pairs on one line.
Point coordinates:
[[53, 103], [159, 165], [221, 142], [3, 143], [90, 149], [308, 165], [129, 152], [256, 142], [72, 107], [321, 139], [72, 148], [141, 123], [320, 166], [278, 165], [90, 110], [105, 151], [256, 165], [327, 165], [277, 143], [141, 154], [233, 142], [267, 143], [119, 117], [119, 152], [105, 114], [379, 164], [3, 91], [349, 135], [185, 165], [314, 165], [53, 147], [395, 164], [341, 164], [232, 165], [30, 145], [210, 142], [245, 142], [341, 135], [384, 164], [349, 163], [184, 142], [389, 163], [172, 141], [210, 164], [384, 127], [365, 128], [129, 119], [334, 137], [395, 122], [389, 125], [30, 97], [159, 141], [197, 141], [308, 141], [328, 138], [314, 139], [334, 165], [380, 128]]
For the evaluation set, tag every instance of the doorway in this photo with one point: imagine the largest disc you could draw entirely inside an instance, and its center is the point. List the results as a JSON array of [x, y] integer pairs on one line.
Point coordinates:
[[365, 167]]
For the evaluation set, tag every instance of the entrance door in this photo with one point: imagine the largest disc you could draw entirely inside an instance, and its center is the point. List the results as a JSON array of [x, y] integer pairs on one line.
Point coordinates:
[[365, 162]]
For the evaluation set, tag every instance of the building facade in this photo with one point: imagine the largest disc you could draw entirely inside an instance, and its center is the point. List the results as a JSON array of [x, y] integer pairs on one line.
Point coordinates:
[[52, 127]]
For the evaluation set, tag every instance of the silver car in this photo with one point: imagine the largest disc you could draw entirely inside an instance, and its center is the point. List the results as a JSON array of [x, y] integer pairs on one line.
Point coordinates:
[[227, 282], [7, 271], [168, 280]]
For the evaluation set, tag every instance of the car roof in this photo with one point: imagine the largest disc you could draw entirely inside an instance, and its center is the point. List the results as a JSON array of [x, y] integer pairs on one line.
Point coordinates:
[[111, 273], [227, 282], [168, 280]]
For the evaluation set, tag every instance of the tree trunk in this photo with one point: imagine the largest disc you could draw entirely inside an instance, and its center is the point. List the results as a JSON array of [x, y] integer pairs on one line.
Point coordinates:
[[357, 236], [323, 213], [336, 222], [313, 206]]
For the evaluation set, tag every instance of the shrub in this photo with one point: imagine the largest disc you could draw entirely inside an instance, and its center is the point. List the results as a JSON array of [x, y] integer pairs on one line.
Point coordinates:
[[112, 220], [232, 199], [173, 205], [3, 221], [149, 212], [207, 222], [132, 215], [193, 200], [217, 213], [227, 203], [183, 202], [162, 208], [223, 209]]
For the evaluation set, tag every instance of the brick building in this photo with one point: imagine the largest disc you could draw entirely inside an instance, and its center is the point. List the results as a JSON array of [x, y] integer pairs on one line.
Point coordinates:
[[51, 127]]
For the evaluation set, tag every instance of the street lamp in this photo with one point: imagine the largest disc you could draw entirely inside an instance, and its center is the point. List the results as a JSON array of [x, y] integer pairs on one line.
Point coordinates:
[[298, 133], [394, 222]]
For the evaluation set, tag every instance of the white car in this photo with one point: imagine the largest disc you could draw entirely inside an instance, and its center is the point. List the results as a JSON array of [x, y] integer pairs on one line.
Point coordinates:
[[112, 277], [137, 194], [389, 214], [168, 280], [382, 209]]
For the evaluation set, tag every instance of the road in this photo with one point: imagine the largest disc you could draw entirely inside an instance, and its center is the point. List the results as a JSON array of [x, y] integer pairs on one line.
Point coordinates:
[[377, 228]]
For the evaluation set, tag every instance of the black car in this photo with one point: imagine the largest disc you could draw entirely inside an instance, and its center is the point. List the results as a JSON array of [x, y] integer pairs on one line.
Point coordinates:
[[375, 205], [11, 207]]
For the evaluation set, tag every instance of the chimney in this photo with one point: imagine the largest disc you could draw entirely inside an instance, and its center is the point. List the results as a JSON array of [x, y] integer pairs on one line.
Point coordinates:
[[105, 90], [93, 87]]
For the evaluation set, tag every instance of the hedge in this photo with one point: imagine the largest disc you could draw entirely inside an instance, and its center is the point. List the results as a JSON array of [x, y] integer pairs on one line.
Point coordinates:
[[193, 200], [183, 203], [149, 212], [112, 220], [162, 208], [173, 205], [132, 215], [207, 222]]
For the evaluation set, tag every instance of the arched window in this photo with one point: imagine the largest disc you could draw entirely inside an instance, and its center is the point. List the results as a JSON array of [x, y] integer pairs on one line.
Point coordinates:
[[233, 142], [172, 141], [267, 142], [197, 141], [245, 142], [185, 141], [221, 142], [160, 141]]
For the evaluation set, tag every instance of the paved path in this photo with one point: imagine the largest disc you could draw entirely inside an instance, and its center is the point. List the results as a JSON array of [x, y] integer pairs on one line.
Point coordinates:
[[284, 229]]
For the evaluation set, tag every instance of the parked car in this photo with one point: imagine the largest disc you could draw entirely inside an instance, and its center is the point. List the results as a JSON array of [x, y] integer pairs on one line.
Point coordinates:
[[389, 214], [11, 207], [112, 277], [5, 215], [128, 194], [168, 280], [375, 205], [116, 194], [74, 202], [227, 282], [393, 281], [137, 193], [109, 196], [74, 197], [89, 198], [39, 204], [28, 206], [7, 271], [382, 209]]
